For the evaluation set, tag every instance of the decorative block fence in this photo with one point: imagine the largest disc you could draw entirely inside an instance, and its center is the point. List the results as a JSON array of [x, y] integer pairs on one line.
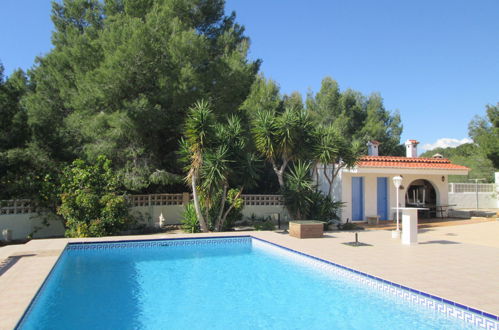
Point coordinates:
[[468, 195], [148, 208], [17, 206], [22, 218]]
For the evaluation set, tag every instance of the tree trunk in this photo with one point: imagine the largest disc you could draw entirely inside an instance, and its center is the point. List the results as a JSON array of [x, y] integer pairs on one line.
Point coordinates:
[[334, 173], [280, 179], [202, 222], [279, 171], [329, 180], [219, 223], [316, 171]]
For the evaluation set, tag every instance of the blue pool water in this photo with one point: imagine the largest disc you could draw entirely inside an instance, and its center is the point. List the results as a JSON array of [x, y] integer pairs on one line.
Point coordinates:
[[211, 284]]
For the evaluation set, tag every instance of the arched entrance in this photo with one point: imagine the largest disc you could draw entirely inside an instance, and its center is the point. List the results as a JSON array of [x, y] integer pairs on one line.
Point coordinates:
[[422, 193]]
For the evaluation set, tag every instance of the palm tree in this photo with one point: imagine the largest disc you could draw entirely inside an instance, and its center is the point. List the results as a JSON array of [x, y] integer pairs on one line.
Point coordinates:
[[332, 149], [217, 158], [282, 138], [199, 132], [231, 165]]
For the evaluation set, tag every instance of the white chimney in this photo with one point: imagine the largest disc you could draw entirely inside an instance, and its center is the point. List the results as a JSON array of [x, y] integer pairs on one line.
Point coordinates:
[[411, 148], [372, 148]]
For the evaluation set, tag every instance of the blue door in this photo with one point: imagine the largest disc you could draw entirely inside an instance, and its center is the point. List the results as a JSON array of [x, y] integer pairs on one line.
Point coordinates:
[[357, 198], [383, 198]]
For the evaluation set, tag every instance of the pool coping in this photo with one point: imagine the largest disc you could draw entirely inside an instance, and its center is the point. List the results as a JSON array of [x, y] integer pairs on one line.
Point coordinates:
[[491, 317], [422, 293]]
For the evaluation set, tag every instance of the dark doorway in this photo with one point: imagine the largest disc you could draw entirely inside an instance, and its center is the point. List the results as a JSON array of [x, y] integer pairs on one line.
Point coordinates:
[[421, 193]]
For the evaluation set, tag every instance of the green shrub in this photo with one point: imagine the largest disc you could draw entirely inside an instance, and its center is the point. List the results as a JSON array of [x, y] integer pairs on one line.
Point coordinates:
[[298, 190], [264, 225], [322, 208], [90, 203], [190, 223], [302, 199], [233, 216]]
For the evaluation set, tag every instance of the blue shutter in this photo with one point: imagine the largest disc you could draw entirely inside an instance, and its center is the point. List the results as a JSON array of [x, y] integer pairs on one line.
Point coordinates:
[[383, 198], [357, 198]]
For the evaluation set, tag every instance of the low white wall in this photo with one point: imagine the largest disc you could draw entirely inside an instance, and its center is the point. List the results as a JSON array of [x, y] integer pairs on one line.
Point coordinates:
[[149, 215], [266, 211], [23, 225], [469, 200]]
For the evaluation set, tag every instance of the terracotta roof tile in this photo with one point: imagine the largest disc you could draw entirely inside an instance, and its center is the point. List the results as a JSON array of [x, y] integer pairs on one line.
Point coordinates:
[[408, 162]]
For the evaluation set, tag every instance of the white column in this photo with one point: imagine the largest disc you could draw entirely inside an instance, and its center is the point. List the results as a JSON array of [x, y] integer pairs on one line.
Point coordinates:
[[409, 226]]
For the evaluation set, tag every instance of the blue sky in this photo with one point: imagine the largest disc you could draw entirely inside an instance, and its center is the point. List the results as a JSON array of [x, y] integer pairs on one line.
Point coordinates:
[[437, 62]]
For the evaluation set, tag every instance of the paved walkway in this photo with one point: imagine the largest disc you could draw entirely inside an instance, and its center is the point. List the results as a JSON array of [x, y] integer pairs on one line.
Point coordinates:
[[459, 263], [430, 223]]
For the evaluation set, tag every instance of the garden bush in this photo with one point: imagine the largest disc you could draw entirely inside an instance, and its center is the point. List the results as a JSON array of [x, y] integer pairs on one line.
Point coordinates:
[[264, 225], [91, 205], [190, 223]]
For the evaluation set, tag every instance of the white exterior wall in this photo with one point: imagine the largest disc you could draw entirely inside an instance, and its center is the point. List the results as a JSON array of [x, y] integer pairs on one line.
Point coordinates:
[[149, 215], [23, 225], [323, 184], [370, 191], [469, 200], [265, 211]]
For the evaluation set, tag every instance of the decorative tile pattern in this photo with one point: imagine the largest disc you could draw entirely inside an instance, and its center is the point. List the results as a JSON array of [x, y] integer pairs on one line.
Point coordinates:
[[442, 306], [156, 243]]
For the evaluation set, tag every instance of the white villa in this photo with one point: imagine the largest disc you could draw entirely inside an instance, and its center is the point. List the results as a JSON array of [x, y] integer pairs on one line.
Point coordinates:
[[368, 190]]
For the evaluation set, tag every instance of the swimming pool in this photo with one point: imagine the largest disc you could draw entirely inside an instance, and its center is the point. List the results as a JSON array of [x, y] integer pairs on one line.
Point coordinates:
[[225, 283]]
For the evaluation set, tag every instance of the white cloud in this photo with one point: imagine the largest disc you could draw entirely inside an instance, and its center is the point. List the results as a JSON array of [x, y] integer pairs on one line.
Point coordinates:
[[445, 143]]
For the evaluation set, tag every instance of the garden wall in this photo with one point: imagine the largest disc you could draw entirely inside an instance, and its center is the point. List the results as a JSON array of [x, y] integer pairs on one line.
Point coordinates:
[[30, 224], [466, 195], [148, 208], [21, 217]]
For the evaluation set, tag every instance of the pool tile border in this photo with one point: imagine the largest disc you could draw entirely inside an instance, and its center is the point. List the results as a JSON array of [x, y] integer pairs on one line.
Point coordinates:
[[444, 306], [158, 243]]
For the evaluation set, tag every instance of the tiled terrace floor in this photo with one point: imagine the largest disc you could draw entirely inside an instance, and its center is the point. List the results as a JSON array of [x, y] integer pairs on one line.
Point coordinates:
[[459, 263]]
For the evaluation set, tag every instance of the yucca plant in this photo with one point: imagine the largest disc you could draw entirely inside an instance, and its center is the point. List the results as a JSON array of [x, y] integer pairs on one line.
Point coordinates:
[[282, 138], [190, 223], [333, 152], [199, 132], [299, 188], [217, 158]]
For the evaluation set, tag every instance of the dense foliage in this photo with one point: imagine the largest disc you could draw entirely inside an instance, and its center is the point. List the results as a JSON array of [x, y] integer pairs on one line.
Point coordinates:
[[352, 115], [90, 201], [485, 133], [164, 90], [118, 82], [121, 78]]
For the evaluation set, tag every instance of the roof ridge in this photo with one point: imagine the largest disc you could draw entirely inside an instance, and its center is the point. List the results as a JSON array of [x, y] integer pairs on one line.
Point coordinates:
[[405, 159]]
